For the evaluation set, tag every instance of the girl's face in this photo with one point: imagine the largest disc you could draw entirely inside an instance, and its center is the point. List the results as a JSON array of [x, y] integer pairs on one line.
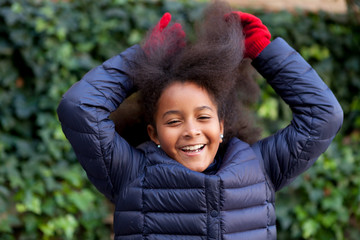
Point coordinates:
[[187, 125]]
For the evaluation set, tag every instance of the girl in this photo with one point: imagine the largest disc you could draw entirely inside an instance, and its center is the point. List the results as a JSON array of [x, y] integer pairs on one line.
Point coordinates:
[[204, 174]]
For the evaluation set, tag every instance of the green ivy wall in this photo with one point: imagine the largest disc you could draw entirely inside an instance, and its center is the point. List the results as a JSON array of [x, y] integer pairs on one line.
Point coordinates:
[[46, 46]]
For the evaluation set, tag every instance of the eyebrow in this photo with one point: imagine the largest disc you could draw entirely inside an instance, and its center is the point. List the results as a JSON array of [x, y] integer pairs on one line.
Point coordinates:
[[178, 112], [204, 107]]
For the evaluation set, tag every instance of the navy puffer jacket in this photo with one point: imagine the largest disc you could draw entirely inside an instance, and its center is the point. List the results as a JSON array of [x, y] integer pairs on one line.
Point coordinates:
[[157, 198]]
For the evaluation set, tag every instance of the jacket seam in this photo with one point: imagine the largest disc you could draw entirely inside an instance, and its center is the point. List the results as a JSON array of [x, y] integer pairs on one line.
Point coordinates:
[[249, 230], [267, 209], [221, 206], [207, 208], [219, 183], [245, 208], [246, 186], [143, 201], [195, 188]]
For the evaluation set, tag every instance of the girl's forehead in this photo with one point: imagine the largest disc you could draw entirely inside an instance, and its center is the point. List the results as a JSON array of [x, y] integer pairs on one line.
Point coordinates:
[[185, 89], [186, 95]]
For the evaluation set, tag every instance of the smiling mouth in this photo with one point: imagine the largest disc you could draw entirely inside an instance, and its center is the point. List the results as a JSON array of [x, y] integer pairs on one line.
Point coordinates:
[[193, 149]]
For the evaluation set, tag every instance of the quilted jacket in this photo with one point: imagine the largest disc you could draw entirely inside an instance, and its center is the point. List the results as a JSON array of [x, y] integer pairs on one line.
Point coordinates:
[[156, 197]]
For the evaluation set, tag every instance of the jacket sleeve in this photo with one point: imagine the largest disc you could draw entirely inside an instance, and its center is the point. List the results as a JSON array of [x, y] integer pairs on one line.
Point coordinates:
[[317, 115], [84, 115]]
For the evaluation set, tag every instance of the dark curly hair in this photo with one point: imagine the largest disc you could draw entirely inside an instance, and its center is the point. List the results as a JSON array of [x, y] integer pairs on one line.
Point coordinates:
[[214, 61]]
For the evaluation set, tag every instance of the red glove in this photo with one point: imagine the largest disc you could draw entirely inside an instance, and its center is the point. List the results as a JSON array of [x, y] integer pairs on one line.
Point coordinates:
[[257, 36], [159, 35]]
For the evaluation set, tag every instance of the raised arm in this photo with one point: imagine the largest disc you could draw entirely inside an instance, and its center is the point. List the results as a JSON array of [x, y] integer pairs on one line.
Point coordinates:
[[84, 115], [317, 115], [109, 161]]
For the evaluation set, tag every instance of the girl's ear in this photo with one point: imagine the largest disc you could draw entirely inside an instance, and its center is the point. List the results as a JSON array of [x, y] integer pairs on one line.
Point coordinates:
[[221, 129], [152, 134]]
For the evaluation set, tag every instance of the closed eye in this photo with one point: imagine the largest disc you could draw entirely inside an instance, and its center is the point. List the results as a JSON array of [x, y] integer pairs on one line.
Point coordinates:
[[173, 122], [204, 117]]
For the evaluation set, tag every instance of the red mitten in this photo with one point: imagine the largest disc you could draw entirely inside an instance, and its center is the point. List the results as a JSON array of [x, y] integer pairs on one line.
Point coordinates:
[[257, 35], [159, 35]]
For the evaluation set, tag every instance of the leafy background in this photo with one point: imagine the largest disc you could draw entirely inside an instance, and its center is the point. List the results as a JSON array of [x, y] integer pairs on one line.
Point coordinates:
[[46, 46]]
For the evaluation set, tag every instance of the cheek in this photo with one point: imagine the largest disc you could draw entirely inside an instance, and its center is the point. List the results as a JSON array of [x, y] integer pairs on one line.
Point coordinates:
[[167, 137], [216, 131]]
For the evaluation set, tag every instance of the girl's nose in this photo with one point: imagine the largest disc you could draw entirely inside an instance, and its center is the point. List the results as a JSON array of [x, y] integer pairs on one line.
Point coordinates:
[[192, 130]]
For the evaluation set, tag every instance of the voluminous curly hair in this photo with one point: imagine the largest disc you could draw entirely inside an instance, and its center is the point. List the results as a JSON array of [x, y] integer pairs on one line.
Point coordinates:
[[213, 61]]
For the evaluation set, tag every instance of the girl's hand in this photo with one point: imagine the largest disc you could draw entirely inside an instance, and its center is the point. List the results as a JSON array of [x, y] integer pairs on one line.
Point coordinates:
[[257, 35], [160, 34]]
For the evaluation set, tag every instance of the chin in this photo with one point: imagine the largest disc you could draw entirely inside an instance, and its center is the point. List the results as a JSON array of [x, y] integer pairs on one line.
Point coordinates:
[[198, 168]]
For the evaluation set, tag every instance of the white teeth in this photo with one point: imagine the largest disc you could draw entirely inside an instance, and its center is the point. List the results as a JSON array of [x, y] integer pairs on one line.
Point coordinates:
[[193, 148]]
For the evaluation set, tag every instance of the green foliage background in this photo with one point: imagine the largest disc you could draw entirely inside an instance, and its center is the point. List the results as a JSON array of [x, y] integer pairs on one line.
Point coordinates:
[[46, 46]]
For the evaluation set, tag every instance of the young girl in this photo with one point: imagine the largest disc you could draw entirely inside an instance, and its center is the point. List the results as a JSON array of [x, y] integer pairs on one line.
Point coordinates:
[[204, 174]]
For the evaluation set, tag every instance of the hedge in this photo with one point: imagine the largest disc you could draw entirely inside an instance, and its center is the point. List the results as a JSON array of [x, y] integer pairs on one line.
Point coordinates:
[[46, 46]]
